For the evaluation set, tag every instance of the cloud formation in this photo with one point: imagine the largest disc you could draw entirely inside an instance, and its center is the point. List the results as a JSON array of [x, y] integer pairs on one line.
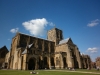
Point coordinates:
[[8, 39], [51, 24], [92, 50], [37, 27], [14, 30], [93, 23]]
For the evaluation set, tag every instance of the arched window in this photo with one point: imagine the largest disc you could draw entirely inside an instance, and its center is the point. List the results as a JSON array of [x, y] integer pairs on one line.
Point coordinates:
[[52, 61], [64, 62]]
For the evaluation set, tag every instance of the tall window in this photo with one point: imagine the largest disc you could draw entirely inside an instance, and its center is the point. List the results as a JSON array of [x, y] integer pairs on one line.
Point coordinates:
[[40, 44], [46, 47], [52, 61]]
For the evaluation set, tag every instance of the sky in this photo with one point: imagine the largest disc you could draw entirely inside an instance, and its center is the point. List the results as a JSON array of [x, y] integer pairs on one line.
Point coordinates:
[[78, 19]]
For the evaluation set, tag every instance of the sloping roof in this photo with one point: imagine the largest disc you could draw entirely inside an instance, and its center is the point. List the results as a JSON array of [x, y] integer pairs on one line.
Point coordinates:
[[30, 45], [4, 48], [24, 52], [64, 41], [34, 36]]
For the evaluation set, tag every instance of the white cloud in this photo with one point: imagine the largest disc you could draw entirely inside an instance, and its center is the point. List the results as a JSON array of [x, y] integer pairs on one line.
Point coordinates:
[[93, 23], [37, 27], [51, 24], [92, 50], [8, 39], [14, 30], [82, 54]]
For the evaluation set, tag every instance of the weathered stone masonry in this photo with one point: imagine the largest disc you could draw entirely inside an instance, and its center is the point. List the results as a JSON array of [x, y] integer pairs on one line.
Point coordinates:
[[28, 52]]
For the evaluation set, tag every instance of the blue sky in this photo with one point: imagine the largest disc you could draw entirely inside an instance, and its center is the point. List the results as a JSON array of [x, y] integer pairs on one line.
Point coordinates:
[[79, 19]]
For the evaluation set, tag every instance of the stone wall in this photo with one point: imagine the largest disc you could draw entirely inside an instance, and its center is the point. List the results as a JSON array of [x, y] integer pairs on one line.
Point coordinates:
[[55, 35], [3, 52], [45, 53], [86, 61]]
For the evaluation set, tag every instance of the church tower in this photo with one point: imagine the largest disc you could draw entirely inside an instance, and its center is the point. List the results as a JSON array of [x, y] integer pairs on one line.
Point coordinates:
[[55, 35]]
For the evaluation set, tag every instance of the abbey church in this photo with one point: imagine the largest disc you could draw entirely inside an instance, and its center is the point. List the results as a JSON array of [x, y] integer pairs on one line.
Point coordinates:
[[29, 52]]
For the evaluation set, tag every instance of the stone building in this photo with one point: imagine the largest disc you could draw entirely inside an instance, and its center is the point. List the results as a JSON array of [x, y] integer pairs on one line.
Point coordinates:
[[97, 61], [3, 52], [28, 52], [86, 61]]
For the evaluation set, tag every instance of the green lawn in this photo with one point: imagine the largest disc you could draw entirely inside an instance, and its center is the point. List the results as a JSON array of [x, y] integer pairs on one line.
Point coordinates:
[[92, 70], [85, 70], [42, 72]]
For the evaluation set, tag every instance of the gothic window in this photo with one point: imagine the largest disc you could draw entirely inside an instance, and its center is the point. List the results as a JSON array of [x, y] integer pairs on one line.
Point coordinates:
[[31, 40], [52, 47], [35, 43], [46, 47], [40, 44], [64, 62], [52, 61], [24, 40]]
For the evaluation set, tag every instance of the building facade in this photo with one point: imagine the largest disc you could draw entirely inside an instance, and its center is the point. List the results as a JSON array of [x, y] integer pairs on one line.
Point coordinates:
[[29, 53], [3, 52]]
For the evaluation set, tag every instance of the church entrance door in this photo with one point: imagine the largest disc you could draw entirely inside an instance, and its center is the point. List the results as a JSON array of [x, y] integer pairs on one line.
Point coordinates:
[[31, 64]]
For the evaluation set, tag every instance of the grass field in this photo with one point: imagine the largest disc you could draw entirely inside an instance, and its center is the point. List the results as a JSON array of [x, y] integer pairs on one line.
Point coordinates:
[[85, 70], [48, 72]]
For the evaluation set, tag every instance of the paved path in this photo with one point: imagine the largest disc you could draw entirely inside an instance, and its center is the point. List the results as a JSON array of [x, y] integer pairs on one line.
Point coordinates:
[[75, 71]]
